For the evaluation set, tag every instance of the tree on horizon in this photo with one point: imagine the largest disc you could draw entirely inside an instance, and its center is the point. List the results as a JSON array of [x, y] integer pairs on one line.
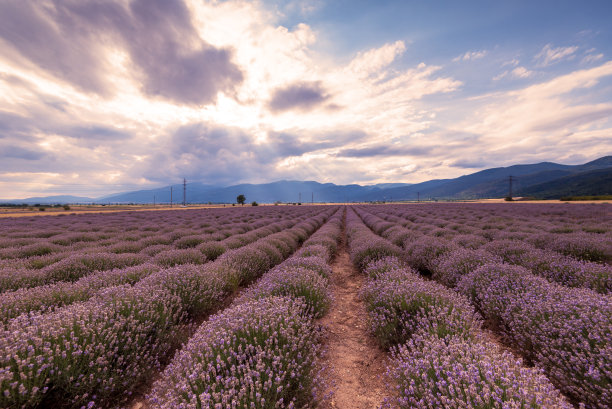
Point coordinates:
[[241, 199]]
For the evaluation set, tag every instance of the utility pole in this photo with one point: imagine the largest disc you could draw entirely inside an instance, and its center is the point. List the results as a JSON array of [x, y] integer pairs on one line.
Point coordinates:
[[510, 179], [300, 200], [184, 192], [312, 198], [418, 197], [153, 200], [170, 196]]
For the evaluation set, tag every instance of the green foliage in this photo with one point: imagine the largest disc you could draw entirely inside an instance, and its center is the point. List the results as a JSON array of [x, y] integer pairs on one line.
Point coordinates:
[[241, 199]]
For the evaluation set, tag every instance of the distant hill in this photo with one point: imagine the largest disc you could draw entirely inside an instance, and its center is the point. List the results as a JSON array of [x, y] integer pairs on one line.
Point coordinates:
[[283, 191], [48, 200], [590, 183], [494, 182], [545, 180]]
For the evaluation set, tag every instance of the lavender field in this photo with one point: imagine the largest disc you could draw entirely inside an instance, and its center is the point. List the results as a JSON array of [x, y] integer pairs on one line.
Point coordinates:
[[466, 306]]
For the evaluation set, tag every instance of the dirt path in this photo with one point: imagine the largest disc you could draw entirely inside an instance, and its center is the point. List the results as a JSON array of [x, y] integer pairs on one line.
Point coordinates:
[[358, 364]]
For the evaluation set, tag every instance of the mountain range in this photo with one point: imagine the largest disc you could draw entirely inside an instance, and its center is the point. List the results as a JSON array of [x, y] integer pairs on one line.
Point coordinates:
[[542, 180]]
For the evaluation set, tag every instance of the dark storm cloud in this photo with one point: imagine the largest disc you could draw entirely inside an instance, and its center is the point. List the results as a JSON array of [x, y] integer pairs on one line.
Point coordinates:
[[159, 43], [96, 132], [211, 154], [12, 125], [68, 40], [17, 152], [283, 144], [202, 140], [71, 56], [383, 150], [23, 128], [303, 96], [218, 154]]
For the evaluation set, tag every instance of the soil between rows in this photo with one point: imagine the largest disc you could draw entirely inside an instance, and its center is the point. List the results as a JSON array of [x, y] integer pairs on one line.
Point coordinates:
[[357, 363]]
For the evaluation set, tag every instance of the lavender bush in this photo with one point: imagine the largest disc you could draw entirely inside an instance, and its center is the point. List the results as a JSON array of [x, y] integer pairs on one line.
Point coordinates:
[[43, 298], [257, 354], [565, 331], [452, 372], [400, 303], [450, 267], [298, 283]]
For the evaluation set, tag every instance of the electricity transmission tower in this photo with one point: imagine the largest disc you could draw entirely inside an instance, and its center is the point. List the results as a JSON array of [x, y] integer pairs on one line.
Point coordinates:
[[510, 180]]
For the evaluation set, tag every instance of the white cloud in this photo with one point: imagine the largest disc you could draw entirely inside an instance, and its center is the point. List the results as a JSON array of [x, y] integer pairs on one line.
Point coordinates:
[[372, 61], [591, 58], [367, 120], [539, 122], [367, 95], [521, 72], [549, 55], [470, 55], [513, 62], [518, 72]]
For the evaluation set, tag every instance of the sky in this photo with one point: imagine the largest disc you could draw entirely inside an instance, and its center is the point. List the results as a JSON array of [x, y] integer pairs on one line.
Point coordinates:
[[105, 96]]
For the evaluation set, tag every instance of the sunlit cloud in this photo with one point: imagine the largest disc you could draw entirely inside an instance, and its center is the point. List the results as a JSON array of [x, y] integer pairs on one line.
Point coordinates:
[[551, 55], [470, 55], [100, 97], [518, 72]]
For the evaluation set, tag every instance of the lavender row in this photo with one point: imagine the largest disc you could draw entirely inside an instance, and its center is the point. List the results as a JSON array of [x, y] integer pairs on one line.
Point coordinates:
[[102, 233], [48, 297], [593, 220], [440, 357], [76, 266], [564, 331], [94, 352], [449, 259], [262, 351], [19, 273], [589, 243]]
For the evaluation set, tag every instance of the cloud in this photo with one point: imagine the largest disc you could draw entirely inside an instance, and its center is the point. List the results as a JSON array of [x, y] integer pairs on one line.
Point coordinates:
[[18, 152], [25, 29], [518, 72], [543, 121], [201, 151], [96, 132], [513, 62], [303, 96], [470, 55], [591, 58], [280, 145], [474, 163], [77, 41], [372, 61], [549, 55], [135, 94], [388, 150], [160, 45]]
